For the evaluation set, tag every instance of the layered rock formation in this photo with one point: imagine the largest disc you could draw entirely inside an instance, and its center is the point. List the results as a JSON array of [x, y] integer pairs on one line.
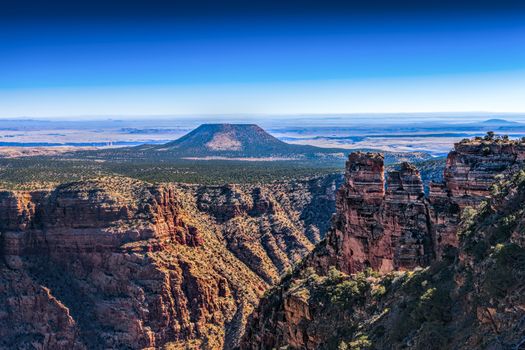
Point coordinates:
[[127, 264], [389, 226], [383, 225], [474, 165], [472, 168], [116, 263], [270, 228]]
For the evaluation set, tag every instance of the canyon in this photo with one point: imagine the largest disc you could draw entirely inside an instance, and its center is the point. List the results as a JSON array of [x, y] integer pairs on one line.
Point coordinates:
[[115, 262], [354, 289], [118, 263]]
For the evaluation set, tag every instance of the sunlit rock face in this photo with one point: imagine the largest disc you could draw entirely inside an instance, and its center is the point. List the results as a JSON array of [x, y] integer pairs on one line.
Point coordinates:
[[472, 168], [385, 222], [379, 224], [383, 229], [117, 263]]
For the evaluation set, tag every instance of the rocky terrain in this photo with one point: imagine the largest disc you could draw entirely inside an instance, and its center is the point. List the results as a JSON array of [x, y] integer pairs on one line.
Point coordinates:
[[117, 263], [392, 272]]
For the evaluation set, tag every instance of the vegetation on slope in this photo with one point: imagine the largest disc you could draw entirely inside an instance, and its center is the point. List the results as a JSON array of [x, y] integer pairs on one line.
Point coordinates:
[[45, 172], [473, 299]]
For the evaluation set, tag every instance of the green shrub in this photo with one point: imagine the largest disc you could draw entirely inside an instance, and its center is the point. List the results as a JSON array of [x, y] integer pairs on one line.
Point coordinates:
[[434, 305], [334, 276], [506, 272], [489, 136], [350, 292], [361, 342], [378, 292]]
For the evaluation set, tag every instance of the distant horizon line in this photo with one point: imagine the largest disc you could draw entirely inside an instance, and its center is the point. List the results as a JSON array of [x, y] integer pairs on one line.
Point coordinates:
[[240, 114]]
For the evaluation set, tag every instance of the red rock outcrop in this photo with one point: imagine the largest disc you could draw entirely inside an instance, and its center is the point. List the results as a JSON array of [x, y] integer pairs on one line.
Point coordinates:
[[472, 168], [406, 219], [116, 263], [377, 228], [398, 227], [467, 298], [474, 165]]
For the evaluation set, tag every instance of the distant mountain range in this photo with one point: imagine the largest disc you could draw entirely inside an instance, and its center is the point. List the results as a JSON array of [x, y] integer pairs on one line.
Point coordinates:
[[500, 122]]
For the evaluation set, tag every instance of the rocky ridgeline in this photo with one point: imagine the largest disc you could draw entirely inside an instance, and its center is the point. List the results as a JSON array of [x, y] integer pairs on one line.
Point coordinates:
[[385, 226], [91, 216], [472, 168], [390, 224], [116, 263]]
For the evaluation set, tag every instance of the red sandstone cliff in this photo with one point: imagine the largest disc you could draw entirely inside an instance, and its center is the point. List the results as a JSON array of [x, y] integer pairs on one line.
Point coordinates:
[[116, 263], [389, 226], [380, 224]]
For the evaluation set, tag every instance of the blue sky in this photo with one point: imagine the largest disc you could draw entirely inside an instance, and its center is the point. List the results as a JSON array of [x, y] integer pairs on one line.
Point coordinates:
[[352, 61]]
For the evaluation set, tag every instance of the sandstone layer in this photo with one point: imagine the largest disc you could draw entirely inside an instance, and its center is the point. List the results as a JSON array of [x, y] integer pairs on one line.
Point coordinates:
[[352, 291], [116, 263], [390, 225]]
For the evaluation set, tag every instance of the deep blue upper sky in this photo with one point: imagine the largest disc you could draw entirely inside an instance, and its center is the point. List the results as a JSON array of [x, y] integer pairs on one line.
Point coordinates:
[[73, 58]]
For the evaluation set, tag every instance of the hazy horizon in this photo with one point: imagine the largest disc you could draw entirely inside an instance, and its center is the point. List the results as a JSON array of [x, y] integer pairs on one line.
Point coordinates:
[[434, 116]]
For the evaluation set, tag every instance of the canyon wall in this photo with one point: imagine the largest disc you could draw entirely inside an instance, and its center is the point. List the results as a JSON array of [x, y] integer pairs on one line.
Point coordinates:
[[385, 225], [116, 263], [378, 224]]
